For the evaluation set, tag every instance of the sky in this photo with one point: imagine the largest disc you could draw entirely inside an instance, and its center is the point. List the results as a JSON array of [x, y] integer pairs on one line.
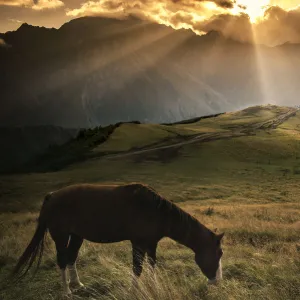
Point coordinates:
[[269, 22]]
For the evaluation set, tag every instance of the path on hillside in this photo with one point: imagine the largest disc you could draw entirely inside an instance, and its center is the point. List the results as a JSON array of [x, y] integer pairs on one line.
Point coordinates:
[[208, 137]]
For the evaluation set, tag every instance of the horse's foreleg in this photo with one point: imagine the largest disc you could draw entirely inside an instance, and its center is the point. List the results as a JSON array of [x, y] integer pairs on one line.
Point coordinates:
[[66, 289], [74, 278], [73, 249]]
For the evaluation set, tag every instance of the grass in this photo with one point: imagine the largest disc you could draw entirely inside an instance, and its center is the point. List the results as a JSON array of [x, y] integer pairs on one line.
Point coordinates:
[[245, 187], [128, 136]]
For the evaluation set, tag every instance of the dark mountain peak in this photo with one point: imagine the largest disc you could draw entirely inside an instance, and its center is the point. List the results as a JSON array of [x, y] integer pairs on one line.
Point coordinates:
[[96, 22], [27, 35], [25, 27]]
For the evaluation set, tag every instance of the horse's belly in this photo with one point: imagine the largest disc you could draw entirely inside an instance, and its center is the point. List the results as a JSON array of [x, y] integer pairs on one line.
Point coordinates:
[[101, 233]]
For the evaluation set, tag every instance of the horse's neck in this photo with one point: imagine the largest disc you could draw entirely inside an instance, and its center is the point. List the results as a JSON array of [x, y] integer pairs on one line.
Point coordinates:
[[187, 231]]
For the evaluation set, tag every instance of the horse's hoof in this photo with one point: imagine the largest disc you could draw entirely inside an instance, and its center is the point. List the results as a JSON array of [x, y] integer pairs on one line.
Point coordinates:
[[66, 296], [77, 285], [213, 282]]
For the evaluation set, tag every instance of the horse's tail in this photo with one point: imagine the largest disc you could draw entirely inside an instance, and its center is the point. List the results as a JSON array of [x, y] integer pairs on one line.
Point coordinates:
[[35, 248]]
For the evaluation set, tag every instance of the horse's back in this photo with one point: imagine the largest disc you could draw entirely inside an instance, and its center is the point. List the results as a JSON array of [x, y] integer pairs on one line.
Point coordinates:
[[98, 196]]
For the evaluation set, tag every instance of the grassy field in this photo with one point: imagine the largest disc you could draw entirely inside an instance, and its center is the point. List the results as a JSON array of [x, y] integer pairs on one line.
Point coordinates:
[[248, 187]]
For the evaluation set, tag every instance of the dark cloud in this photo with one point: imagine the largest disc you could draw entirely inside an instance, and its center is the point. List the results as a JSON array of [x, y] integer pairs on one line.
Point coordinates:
[[33, 4], [225, 4], [221, 3]]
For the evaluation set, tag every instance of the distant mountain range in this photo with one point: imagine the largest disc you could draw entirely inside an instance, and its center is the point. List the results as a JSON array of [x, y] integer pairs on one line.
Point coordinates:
[[95, 71]]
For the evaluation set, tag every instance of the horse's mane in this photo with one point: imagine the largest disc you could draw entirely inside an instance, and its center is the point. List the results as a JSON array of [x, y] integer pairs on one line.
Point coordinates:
[[166, 206]]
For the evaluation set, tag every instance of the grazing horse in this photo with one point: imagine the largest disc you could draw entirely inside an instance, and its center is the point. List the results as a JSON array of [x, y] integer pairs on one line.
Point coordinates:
[[114, 213]]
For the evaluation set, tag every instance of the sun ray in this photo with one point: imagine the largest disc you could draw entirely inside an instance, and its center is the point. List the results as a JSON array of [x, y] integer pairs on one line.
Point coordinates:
[[262, 68], [135, 64]]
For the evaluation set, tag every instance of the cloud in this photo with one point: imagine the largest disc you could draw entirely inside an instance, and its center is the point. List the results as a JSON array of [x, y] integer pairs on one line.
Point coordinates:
[[147, 7], [15, 20], [34, 4], [47, 4], [200, 16], [279, 26], [101, 7], [225, 4], [175, 13], [237, 27], [25, 3]]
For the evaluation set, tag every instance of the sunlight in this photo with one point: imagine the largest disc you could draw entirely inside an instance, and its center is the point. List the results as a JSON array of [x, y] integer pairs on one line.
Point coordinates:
[[264, 77], [254, 8]]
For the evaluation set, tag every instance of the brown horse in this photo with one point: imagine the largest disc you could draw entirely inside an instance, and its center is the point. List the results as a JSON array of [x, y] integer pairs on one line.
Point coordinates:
[[114, 213]]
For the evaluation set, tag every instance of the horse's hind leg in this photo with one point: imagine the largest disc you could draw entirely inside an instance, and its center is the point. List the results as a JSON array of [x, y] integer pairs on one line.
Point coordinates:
[[73, 249], [138, 256], [61, 242]]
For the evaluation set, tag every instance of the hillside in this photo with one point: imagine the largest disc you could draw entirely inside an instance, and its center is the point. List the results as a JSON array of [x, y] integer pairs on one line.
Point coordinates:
[[80, 73], [135, 139], [238, 172]]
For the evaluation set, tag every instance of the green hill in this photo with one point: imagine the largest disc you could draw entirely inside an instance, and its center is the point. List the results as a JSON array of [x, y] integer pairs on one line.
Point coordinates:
[[238, 172]]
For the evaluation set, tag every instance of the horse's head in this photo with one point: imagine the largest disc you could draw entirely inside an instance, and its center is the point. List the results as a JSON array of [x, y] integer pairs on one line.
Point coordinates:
[[208, 258]]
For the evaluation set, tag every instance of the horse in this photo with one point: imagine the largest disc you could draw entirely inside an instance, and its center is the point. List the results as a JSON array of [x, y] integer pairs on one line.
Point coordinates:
[[114, 213]]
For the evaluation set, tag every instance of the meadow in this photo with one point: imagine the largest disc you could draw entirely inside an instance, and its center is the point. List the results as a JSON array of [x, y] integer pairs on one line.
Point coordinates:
[[247, 187]]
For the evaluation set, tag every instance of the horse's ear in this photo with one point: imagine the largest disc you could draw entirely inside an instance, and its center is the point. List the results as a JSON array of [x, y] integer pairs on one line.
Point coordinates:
[[215, 230]]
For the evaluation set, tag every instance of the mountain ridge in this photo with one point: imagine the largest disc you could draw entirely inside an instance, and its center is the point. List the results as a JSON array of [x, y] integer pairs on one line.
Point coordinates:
[[83, 76]]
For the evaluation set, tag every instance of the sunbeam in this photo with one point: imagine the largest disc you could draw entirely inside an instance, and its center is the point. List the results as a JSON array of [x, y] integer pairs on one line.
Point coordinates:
[[134, 64], [263, 72]]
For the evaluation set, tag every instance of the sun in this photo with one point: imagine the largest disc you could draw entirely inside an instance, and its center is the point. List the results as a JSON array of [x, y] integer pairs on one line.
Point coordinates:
[[254, 8]]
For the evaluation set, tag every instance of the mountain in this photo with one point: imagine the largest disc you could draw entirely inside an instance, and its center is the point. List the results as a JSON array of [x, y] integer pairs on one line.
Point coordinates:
[[96, 71]]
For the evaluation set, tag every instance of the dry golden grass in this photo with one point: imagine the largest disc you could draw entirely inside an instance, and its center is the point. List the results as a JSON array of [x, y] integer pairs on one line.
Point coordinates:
[[261, 258]]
